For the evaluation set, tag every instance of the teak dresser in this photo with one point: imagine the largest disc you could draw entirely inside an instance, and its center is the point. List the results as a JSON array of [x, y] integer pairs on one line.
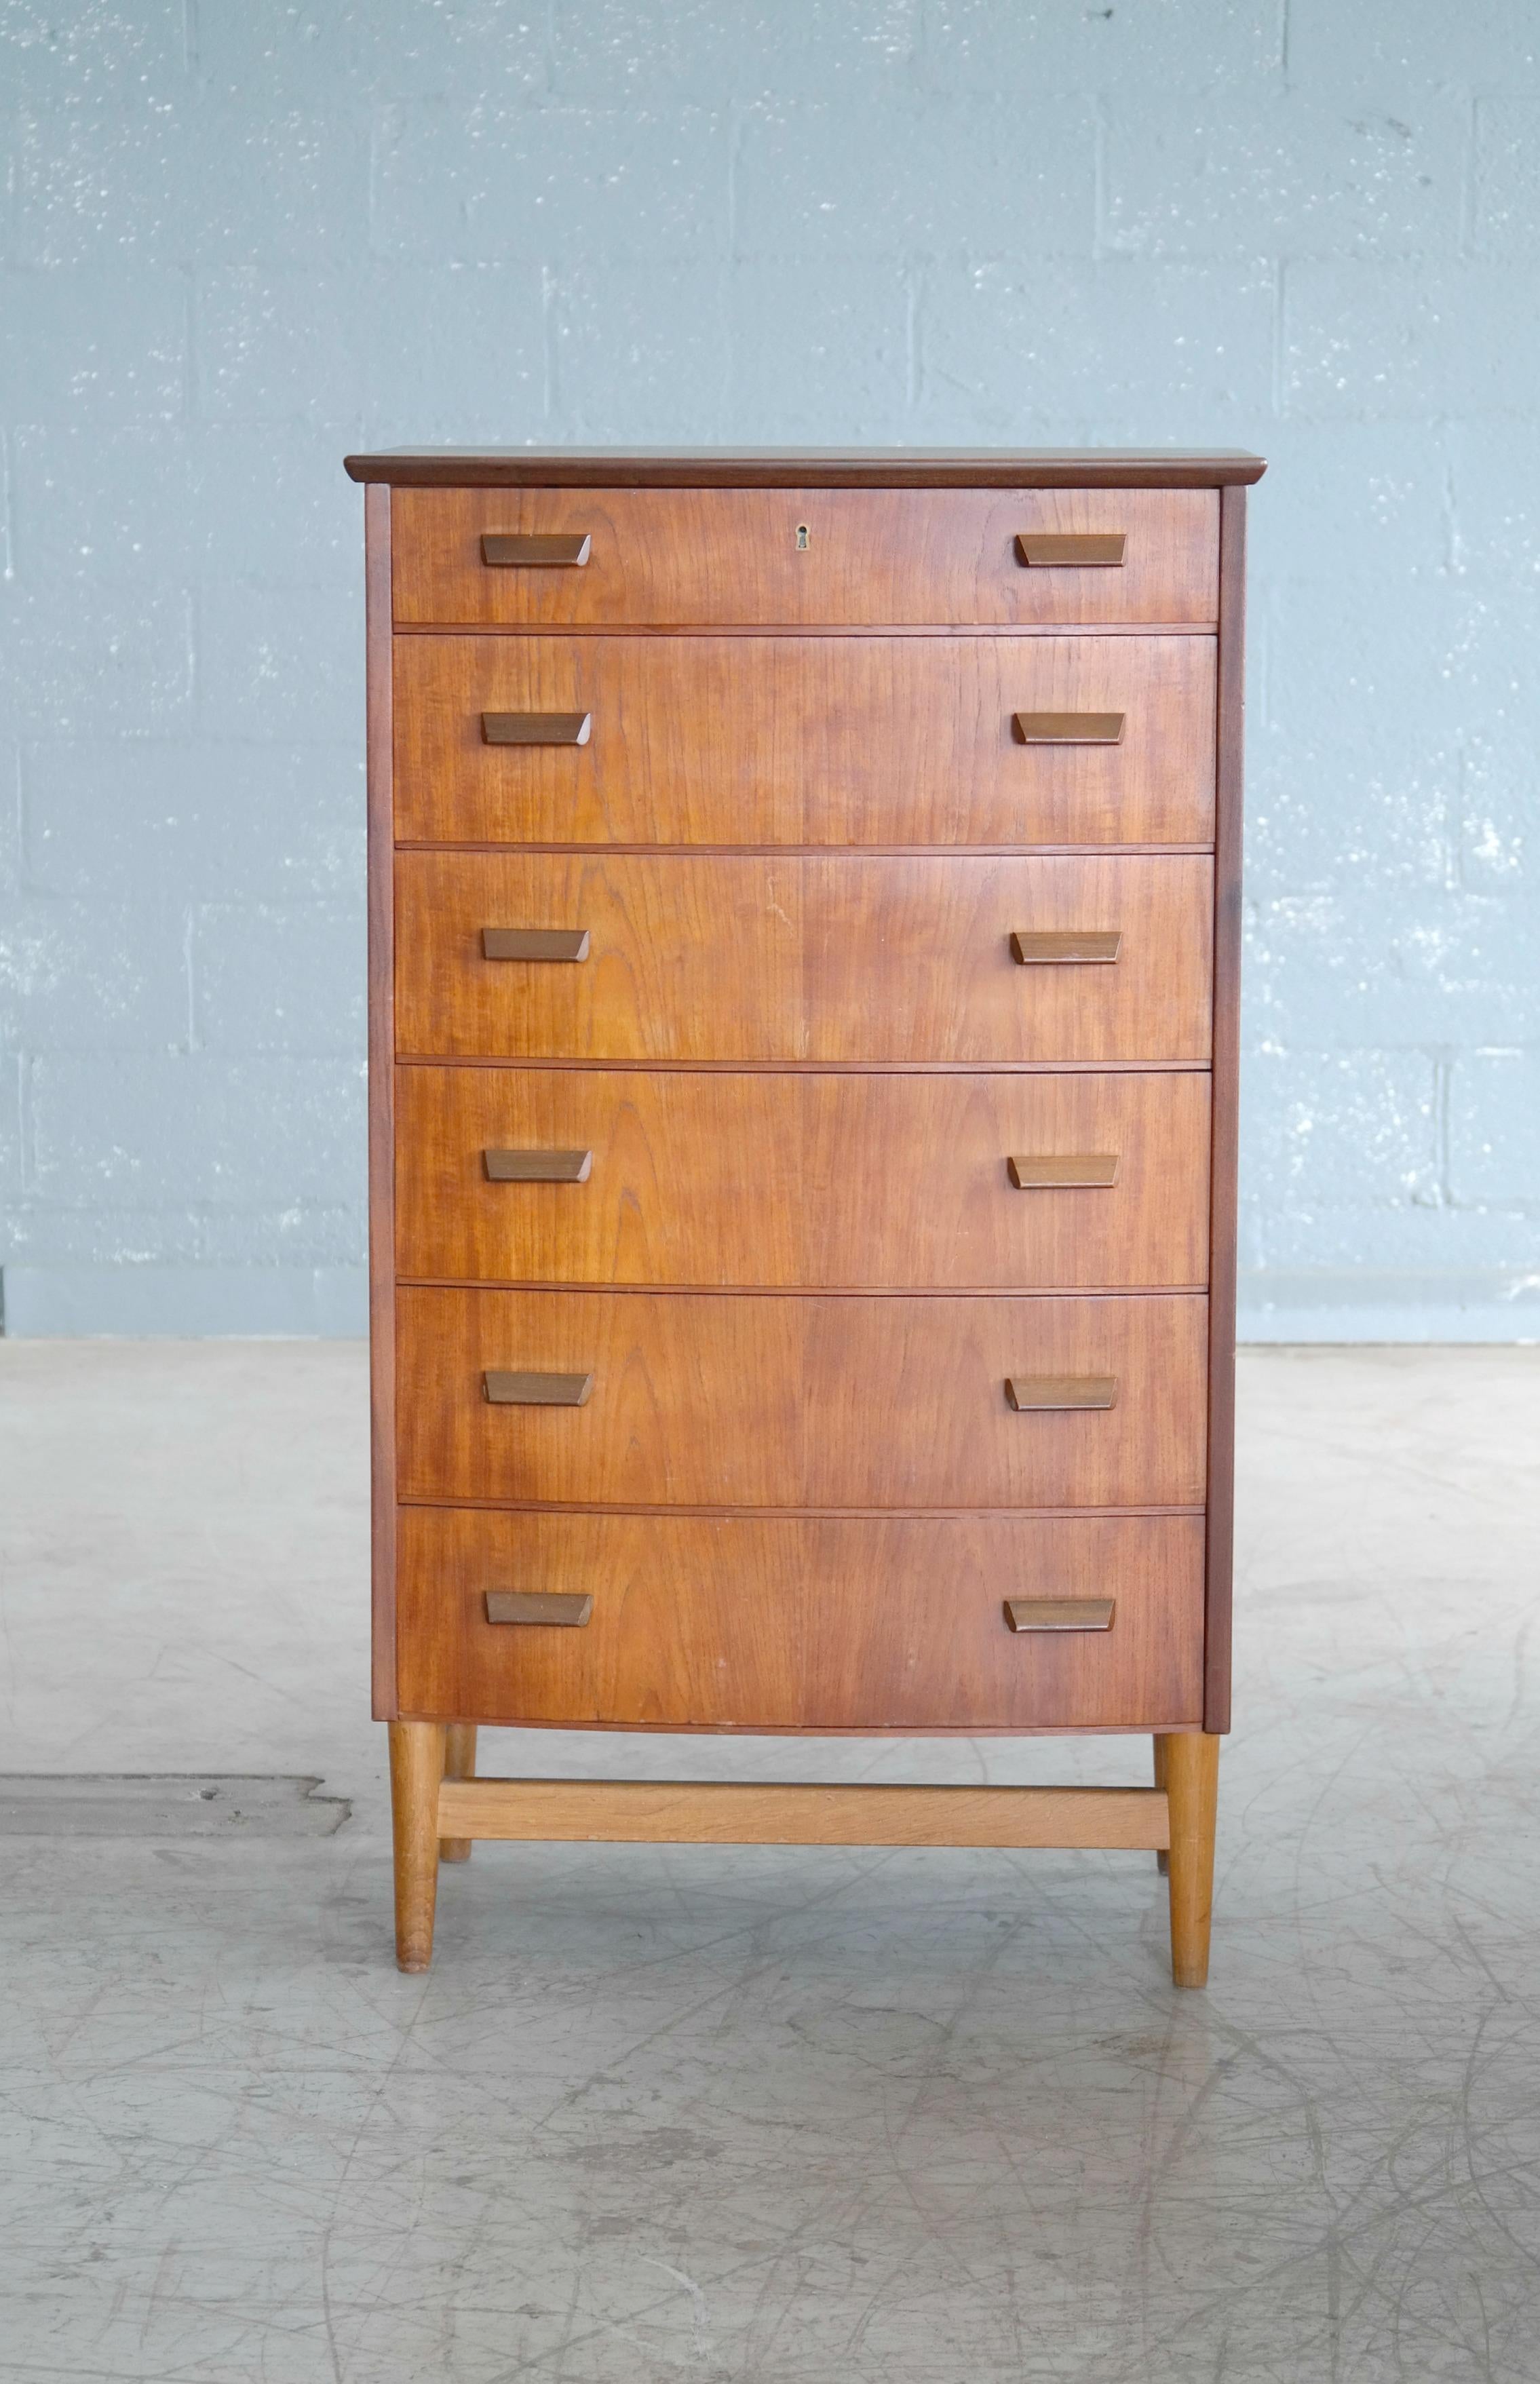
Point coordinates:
[[803, 911]]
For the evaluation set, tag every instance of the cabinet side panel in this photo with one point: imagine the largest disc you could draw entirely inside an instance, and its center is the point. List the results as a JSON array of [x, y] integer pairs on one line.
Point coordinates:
[[381, 923], [1226, 1074]]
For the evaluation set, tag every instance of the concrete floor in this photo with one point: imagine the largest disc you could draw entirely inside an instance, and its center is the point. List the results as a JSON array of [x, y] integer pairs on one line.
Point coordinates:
[[772, 2117]]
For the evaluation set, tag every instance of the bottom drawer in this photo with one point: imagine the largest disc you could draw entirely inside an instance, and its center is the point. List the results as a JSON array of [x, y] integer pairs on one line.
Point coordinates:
[[796, 1623]]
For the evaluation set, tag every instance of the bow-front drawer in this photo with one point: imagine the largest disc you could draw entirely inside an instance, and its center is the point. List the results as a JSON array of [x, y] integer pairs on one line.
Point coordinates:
[[681, 558], [681, 1177], [678, 1621], [917, 741], [756, 1399], [879, 959]]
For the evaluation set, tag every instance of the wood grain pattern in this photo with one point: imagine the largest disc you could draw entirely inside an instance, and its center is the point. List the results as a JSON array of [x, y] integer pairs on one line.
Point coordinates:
[[1226, 1116], [783, 1623], [804, 740], [749, 1813], [502, 1389], [1191, 1766], [1037, 1394], [793, 1181], [1157, 1742], [717, 557], [1060, 1613], [459, 1764], [780, 1400], [538, 1609], [1049, 550], [749, 959], [382, 1095], [417, 1770], [779, 467]]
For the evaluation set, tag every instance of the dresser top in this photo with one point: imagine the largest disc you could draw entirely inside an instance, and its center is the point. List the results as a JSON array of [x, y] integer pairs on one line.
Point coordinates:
[[809, 468]]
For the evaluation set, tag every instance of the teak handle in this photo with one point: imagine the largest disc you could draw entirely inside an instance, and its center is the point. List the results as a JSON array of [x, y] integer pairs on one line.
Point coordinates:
[[1051, 1172], [548, 1605], [506, 1390], [1061, 1394], [537, 1166], [1059, 1613], [502, 549], [1047, 548], [534, 943], [536, 727], [1062, 947], [1067, 728]]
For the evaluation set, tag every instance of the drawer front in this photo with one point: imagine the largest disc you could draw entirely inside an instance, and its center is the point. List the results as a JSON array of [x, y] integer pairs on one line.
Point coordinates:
[[786, 1623], [884, 959], [750, 1399], [846, 1182], [808, 741], [837, 557]]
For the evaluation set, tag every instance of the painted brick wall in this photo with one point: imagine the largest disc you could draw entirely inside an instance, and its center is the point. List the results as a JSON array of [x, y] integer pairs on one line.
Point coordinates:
[[240, 237]]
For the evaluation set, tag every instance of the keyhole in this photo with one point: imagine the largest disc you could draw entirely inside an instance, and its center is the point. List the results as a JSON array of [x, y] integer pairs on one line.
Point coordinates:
[[801, 538]]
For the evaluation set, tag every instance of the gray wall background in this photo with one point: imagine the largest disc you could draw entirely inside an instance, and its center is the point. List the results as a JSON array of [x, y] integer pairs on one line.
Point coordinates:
[[241, 236]]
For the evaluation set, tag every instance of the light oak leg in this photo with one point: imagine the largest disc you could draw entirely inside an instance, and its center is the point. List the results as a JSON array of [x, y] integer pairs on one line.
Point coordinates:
[[1163, 1860], [1192, 1789], [459, 1764], [417, 1768]]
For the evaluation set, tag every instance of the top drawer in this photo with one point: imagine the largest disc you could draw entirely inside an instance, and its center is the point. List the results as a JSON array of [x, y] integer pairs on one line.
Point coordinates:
[[803, 558]]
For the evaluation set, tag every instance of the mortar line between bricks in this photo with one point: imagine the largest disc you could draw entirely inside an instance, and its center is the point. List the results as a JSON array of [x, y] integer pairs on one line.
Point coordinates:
[[7, 527], [736, 128], [1098, 179], [1443, 1068], [1468, 181], [547, 343]]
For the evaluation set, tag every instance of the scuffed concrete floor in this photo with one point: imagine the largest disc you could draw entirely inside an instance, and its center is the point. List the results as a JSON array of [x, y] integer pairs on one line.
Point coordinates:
[[810, 2117]]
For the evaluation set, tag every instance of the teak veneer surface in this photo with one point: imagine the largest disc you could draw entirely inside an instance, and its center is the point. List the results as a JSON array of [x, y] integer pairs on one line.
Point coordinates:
[[801, 1181], [802, 1623], [715, 558], [790, 1401], [805, 911], [805, 741], [755, 959]]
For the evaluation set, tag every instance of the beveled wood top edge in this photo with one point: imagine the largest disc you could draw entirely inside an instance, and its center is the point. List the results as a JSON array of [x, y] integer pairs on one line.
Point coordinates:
[[793, 468]]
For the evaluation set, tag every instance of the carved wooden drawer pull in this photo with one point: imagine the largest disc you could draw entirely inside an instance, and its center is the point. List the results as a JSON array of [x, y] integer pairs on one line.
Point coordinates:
[[1053, 1172], [537, 1390], [1059, 1613], [1061, 1394], [1048, 550], [537, 1166], [536, 727], [534, 943], [1057, 948], [1067, 728], [547, 1606], [503, 550]]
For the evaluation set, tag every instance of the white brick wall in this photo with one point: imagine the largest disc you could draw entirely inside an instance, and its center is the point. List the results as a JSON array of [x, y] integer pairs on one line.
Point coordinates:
[[239, 238]]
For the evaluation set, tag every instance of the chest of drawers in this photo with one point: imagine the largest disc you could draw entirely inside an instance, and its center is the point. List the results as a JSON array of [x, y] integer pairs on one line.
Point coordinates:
[[804, 908]]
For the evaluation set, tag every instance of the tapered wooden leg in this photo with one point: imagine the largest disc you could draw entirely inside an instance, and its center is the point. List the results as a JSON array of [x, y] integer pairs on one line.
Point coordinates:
[[417, 1768], [1163, 1860], [1191, 1758], [459, 1764]]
